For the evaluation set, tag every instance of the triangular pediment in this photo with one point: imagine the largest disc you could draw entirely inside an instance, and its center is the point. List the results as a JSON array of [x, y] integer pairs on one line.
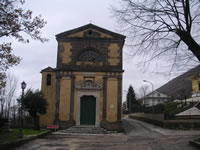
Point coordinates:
[[89, 31], [48, 69]]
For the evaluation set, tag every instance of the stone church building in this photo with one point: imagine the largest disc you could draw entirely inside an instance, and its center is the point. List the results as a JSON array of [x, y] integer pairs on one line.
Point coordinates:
[[85, 88]]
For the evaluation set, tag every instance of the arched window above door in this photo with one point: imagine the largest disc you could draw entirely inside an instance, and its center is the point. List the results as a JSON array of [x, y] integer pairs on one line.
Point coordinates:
[[90, 56]]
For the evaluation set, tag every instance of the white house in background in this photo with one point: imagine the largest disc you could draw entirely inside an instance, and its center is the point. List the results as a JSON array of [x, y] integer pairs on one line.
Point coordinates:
[[155, 98]]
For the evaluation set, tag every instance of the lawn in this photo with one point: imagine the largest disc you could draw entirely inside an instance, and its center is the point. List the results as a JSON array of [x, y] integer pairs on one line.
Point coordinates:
[[6, 137], [197, 140]]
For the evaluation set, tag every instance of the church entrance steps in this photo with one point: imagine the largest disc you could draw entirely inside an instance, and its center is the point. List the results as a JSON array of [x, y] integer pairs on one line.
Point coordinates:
[[86, 130]]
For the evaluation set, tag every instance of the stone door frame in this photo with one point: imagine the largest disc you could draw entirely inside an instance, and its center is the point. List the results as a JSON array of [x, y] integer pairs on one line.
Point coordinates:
[[96, 94]]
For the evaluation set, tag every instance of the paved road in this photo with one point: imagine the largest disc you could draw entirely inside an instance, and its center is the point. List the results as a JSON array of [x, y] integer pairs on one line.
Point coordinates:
[[140, 136], [156, 138]]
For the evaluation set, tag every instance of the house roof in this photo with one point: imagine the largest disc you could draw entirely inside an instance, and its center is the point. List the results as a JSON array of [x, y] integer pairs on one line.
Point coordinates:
[[161, 97], [180, 86], [155, 92], [89, 26]]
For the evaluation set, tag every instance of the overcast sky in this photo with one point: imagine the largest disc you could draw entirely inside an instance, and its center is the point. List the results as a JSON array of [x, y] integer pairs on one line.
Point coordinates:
[[63, 15]]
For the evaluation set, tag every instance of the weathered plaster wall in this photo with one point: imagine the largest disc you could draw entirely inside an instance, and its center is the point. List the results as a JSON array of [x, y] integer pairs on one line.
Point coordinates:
[[66, 53], [49, 94], [113, 54], [111, 100], [65, 93]]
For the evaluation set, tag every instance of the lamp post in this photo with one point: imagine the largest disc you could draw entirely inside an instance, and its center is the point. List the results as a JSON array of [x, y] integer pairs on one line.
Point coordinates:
[[152, 92], [20, 134]]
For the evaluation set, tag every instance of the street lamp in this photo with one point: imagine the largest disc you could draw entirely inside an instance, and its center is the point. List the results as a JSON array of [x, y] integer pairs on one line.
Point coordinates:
[[152, 91], [23, 86]]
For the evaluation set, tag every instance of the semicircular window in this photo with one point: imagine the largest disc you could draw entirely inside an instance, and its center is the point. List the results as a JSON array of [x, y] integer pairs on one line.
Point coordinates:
[[90, 56]]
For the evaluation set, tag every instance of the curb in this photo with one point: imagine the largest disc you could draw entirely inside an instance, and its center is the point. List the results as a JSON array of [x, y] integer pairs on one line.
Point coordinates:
[[195, 143], [13, 144]]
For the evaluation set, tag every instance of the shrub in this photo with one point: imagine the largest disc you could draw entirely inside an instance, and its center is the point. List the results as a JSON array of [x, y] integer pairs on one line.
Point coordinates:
[[170, 109]]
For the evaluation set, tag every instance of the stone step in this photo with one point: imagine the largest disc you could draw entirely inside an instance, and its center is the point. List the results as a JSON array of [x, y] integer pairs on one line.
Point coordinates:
[[87, 130]]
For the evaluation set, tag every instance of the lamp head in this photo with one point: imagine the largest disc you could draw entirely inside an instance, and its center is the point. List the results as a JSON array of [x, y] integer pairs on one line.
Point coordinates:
[[23, 85]]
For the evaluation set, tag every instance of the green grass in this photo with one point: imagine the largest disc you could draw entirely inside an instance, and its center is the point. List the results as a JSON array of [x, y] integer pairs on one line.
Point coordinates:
[[197, 140], [13, 135]]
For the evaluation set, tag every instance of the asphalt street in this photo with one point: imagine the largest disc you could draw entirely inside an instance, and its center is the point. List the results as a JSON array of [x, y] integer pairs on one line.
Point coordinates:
[[138, 136]]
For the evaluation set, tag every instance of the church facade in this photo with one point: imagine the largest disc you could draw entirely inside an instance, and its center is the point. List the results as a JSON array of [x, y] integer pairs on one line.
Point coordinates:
[[85, 88]]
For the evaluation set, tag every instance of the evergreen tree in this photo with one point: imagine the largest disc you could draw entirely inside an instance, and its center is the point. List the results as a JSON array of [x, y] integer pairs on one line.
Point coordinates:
[[131, 99], [35, 104]]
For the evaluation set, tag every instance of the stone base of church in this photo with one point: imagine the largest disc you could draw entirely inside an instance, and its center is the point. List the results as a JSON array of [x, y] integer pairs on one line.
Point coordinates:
[[112, 126], [66, 124]]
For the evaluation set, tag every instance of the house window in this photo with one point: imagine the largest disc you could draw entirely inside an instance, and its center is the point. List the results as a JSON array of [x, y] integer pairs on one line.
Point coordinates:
[[48, 80], [158, 94]]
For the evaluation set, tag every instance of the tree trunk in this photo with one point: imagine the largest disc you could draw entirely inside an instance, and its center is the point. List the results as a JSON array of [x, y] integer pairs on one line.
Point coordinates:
[[2, 110], [193, 46], [36, 122]]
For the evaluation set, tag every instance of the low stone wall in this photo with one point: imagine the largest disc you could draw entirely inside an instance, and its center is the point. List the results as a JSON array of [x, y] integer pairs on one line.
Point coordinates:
[[158, 119], [66, 124], [112, 126]]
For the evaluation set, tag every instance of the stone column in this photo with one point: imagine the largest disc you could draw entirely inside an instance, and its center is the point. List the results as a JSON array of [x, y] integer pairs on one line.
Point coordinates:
[[58, 80], [119, 98], [104, 96], [72, 98]]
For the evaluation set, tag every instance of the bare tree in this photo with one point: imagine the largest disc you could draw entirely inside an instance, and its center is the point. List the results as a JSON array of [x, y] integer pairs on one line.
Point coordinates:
[[8, 95], [13, 112], [143, 90], [162, 29], [2, 100]]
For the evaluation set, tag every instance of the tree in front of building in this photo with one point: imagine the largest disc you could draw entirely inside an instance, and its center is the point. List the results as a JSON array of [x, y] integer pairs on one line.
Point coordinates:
[[131, 99], [16, 23], [35, 104]]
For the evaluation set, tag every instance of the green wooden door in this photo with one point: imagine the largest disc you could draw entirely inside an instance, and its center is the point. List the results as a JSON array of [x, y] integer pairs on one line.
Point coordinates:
[[88, 110]]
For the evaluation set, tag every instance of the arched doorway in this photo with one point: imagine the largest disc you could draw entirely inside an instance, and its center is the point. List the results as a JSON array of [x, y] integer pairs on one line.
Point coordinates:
[[88, 110]]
